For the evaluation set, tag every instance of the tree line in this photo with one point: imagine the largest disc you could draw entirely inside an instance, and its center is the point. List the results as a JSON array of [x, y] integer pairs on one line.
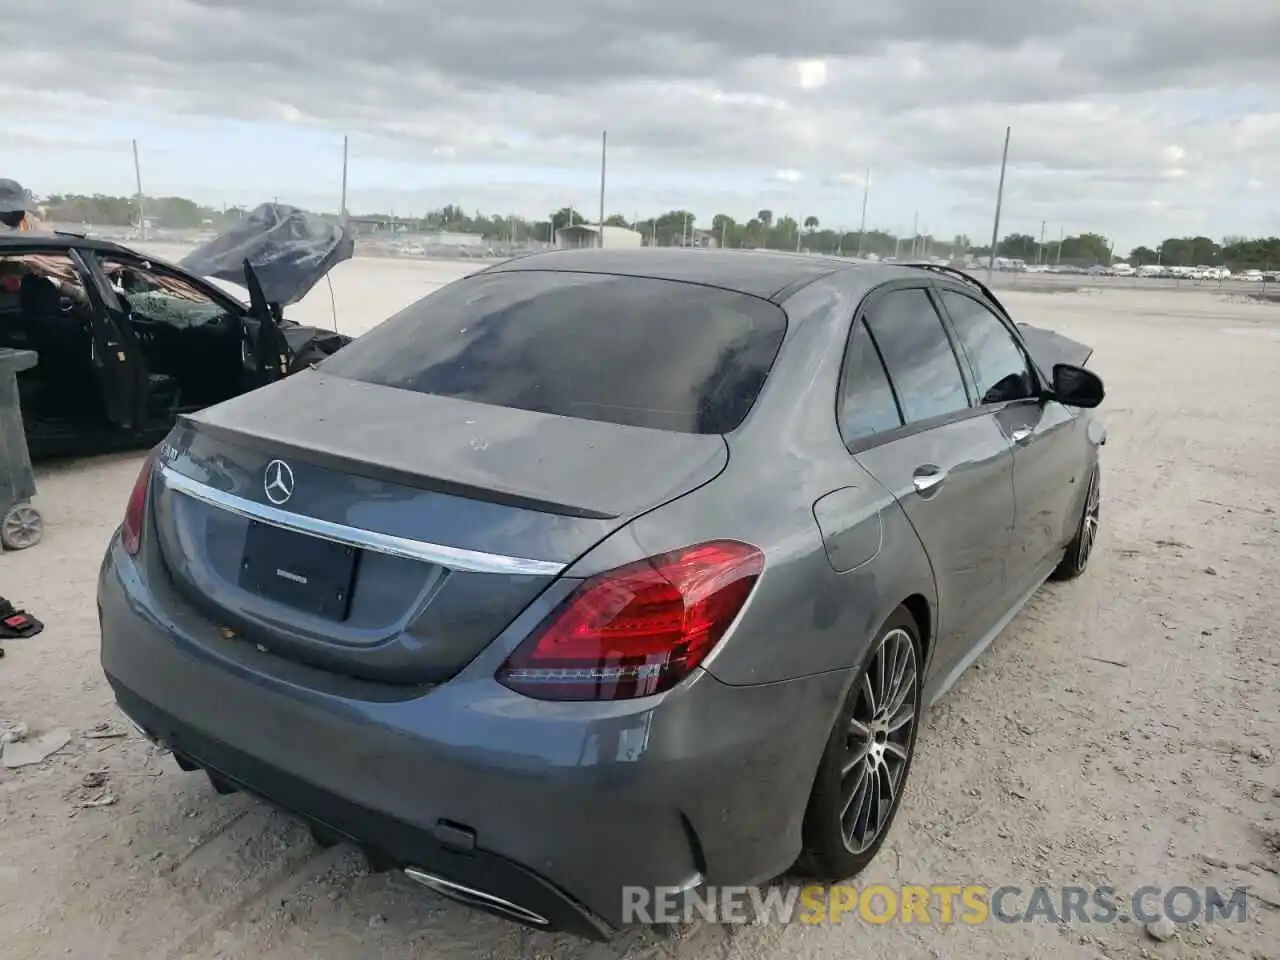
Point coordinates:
[[177, 213], [763, 231]]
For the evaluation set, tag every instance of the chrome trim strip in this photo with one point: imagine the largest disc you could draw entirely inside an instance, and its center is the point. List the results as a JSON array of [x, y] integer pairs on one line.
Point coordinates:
[[454, 558], [472, 896]]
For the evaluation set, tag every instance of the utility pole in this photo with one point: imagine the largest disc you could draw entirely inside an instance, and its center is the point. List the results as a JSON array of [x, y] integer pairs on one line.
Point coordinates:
[[995, 227], [604, 146], [724, 233], [915, 236], [1061, 236], [1040, 249], [142, 203], [862, 225], [342, 213]]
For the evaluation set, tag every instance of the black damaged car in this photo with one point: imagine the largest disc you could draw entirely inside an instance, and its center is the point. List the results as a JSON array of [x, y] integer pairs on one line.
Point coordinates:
[[128, 342]]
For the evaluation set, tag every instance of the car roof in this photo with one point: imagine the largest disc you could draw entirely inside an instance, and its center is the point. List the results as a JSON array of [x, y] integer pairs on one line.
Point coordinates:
[[58, 241], [768, 274]]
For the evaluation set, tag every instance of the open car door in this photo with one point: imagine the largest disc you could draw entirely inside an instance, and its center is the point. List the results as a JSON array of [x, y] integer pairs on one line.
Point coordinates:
[[115, 356], [267, 351]]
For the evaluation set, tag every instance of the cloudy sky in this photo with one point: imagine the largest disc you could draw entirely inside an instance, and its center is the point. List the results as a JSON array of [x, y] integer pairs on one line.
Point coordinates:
[[1136, 119]]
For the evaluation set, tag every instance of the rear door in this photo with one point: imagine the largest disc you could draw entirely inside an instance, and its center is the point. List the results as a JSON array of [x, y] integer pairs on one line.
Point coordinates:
[[116, 358], [948, 463], [1046, 447]]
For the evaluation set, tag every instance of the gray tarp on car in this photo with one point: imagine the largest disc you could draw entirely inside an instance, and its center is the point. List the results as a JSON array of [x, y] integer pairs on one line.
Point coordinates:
[[289, 249]]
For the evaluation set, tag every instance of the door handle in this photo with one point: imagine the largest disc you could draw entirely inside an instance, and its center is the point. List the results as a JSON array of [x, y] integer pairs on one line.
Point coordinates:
[[1022, 434], [927, 478]]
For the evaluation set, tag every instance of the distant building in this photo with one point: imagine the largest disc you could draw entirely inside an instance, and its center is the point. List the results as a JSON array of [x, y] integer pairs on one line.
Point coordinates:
[[588, 235], [447, 238], [371, 225]]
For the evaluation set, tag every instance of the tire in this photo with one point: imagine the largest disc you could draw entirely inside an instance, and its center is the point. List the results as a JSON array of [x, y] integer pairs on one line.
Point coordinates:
[[1076, 560], [866, 757], [21, 527]]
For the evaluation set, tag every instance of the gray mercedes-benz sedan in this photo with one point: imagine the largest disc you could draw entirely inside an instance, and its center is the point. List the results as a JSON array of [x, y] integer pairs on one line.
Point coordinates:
[[603, 569]]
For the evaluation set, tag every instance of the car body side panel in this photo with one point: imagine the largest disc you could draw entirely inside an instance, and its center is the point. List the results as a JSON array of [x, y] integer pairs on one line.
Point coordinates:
[[1050, 468], [964, 523]]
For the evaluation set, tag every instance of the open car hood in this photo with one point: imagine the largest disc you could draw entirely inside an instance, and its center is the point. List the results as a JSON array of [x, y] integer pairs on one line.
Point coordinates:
[[291, 250], [1049, 348]]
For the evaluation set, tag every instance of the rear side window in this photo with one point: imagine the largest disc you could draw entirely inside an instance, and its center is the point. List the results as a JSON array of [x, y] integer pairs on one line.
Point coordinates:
[[867, 406], [1000, 367], [626, 350], [917, 353]]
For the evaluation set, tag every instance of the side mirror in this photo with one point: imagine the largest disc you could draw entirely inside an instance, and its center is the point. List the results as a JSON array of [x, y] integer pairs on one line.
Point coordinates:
[[1077, 387]]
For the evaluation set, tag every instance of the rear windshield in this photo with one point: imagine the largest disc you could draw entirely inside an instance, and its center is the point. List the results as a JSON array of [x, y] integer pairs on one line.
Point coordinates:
[[626, 350]]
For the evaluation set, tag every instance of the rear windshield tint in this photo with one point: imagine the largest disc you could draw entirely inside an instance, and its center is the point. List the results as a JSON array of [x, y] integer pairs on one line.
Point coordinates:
[[626, 350]]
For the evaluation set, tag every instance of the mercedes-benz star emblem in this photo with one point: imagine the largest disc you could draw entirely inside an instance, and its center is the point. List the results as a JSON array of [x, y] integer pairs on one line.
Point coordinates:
[[277, 481]]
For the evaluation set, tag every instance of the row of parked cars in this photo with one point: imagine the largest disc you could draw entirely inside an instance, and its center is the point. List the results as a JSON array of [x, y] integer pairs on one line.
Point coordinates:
[[1207, 273]]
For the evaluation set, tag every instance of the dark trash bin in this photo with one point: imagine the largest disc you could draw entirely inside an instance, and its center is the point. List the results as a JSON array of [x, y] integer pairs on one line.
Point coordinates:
[[21, 525]]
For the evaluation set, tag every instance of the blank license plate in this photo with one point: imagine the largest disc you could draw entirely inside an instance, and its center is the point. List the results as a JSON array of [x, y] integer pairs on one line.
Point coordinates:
[[298, 570]]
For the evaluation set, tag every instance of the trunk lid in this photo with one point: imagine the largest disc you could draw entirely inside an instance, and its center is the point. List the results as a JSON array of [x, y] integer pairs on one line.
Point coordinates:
[[392, 535]]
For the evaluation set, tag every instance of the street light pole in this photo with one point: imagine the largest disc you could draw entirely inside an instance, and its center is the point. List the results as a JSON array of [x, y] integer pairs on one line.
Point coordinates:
[[995, 227], [343, 212], [142, 203], [862, 226], [604, 146]]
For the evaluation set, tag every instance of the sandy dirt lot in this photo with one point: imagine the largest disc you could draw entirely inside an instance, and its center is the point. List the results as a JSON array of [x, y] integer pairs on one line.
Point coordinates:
[[1122, 731]]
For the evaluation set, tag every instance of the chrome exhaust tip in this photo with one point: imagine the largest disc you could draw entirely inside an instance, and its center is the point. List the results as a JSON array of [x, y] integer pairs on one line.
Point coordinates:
[[135, 724], [475, 898]]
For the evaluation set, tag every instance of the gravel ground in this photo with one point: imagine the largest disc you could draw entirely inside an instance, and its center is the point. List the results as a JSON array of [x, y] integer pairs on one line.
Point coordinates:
[[1122, 731]]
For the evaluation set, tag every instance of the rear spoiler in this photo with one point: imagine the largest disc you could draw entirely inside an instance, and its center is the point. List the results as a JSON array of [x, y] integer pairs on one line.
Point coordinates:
[[1047, 348]]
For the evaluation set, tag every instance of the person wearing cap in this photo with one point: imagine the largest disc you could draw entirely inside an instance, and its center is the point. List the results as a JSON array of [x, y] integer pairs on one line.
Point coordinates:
[[16, 220], [15, 207]]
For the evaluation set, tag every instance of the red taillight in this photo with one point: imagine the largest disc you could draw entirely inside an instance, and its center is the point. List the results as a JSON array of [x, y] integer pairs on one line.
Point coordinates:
[[135, 512], [637, 630]]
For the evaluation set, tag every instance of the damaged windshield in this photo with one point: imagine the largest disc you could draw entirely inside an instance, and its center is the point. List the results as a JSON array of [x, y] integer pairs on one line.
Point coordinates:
[[157, 296]]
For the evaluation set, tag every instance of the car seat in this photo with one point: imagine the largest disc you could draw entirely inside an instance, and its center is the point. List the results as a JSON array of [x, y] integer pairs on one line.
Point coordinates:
[[65, 349]]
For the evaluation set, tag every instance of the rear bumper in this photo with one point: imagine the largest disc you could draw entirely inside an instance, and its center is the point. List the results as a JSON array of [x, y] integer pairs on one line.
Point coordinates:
[[510, 890], [552, 807]]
